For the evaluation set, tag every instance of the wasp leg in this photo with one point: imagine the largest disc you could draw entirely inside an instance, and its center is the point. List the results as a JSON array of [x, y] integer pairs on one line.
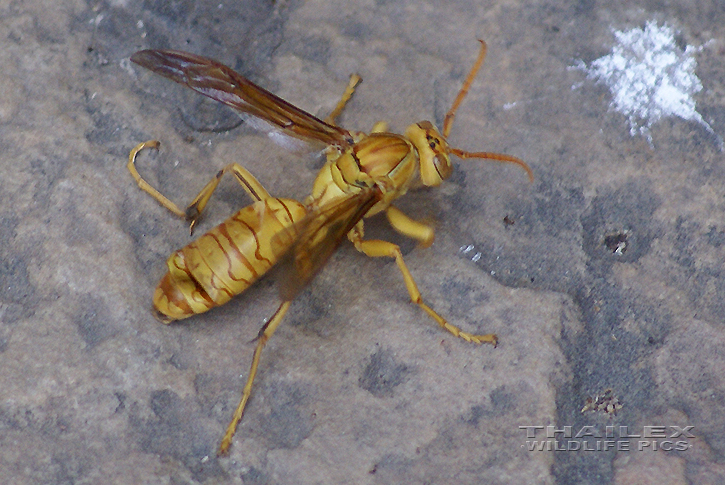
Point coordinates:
[[241, 174], [380, 127], [265, 333], [377, 249], [349, 90], [193, 211], [410, 227], [145, 186]]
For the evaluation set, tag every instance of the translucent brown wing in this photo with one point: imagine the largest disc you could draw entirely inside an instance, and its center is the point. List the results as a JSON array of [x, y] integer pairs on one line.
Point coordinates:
[[219, 82], [316, 238]]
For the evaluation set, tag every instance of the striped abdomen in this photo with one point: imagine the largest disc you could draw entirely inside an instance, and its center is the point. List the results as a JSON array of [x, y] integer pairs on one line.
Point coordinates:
[[226, 260]]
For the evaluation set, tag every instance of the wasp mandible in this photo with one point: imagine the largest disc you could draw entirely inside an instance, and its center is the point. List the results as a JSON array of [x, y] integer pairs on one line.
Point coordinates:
[[363, 175]]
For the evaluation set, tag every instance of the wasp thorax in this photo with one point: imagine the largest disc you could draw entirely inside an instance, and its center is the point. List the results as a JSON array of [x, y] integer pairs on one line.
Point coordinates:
[[435, 164]]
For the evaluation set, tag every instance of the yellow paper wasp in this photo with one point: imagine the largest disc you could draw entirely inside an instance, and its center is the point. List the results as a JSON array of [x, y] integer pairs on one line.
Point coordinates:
[[363, 175]]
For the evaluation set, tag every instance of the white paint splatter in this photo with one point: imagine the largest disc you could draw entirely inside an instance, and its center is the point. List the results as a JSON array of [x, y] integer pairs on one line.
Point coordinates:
[[650, 78], [466, 251]]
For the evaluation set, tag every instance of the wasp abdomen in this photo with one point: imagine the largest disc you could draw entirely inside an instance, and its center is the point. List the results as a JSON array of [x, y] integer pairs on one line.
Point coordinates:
[[226, 260]]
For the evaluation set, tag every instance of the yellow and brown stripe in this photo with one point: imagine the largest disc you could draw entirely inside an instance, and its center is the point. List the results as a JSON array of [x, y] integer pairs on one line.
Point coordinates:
[[226, 260]]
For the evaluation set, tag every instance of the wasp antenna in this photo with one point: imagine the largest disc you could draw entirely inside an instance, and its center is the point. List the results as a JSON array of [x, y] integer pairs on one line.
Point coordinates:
[[496, 157], [448, 120]]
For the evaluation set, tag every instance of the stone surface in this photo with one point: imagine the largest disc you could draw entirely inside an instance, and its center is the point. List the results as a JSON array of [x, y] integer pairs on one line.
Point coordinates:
[[605, 273]]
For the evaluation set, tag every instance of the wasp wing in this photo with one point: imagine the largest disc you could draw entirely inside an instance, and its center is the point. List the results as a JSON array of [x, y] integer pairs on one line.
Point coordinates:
[[317, 236], [217, 81]]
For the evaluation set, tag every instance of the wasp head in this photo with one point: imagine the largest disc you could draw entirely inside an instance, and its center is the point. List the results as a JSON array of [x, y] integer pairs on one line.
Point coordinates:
[[433, 150]]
